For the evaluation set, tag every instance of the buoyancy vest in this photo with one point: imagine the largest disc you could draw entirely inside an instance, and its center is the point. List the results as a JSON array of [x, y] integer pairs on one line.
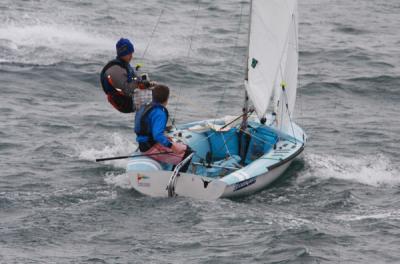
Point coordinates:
[[117, 98], [142, 128]]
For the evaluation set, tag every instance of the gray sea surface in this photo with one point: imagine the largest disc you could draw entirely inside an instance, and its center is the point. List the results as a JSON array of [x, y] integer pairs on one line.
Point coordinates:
[[338, 204]]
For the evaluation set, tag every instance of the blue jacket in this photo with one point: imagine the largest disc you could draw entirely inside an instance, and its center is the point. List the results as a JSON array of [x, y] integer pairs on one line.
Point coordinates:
[[155, 120]]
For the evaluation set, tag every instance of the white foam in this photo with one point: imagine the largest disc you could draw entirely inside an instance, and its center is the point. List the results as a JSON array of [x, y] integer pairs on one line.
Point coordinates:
[[120, 180], [371, 170], [50, 43], [118, 146], [394, 215]]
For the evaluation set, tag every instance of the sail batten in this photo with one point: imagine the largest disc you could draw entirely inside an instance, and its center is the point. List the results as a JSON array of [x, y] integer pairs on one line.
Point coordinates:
[[272, 57]]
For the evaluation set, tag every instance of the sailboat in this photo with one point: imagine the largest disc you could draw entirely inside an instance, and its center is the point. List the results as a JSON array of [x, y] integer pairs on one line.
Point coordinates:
[[239, 156]]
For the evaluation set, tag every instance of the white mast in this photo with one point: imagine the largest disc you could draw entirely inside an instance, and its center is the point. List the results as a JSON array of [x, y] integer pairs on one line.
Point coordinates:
[[246, 74], [245, 109]]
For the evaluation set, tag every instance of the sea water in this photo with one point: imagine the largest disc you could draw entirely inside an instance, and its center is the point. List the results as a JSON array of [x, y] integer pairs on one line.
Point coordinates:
[[340, 203]]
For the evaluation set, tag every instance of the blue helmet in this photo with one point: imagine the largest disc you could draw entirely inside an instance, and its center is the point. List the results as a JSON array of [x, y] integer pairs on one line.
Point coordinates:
[[124, 47]]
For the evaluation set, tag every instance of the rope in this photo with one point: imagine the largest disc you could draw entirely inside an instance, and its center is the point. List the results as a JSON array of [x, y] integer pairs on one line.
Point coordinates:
[[258, 138], [207, 137], [229, 138]]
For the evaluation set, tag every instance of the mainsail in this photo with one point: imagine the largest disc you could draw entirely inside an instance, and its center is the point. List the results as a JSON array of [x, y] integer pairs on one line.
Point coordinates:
[[273, 57]]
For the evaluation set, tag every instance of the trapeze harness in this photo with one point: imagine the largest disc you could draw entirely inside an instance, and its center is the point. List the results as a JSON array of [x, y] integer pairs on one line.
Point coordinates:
[[116, 97], [142, 128]]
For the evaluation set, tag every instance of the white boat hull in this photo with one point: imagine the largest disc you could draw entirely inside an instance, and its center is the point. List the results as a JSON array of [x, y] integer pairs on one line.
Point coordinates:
[[150, 178], [257, 183], [154, 183]]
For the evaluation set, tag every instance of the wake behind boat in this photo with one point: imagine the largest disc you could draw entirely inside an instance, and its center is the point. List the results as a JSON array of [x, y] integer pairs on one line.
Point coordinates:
[[235, 157]]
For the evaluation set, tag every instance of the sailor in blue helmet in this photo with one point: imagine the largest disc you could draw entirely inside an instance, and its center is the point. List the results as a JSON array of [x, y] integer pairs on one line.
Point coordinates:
[[124, 89]]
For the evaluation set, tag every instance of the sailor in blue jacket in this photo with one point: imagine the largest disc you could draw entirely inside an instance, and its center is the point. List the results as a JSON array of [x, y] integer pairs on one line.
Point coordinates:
[[150, 124]]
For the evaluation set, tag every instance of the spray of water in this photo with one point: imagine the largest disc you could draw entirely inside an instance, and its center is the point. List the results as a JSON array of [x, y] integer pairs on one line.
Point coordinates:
[[371, 170], [116, 146], [119, 180], [46, 44]]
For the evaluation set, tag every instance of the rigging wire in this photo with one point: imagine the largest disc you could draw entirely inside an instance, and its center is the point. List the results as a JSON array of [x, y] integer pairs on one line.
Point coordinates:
[[187, 57], [297, 49], [233, 56], [283, 90], [152, 34], [281, 114], [289, 115]]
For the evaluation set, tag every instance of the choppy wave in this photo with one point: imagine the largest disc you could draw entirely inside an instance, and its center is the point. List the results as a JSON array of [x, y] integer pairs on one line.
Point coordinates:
[[118, 180], [59, 206], [116, 146], [348, 29], [383, 84], [388, 215], [371, 170], [46, 44]]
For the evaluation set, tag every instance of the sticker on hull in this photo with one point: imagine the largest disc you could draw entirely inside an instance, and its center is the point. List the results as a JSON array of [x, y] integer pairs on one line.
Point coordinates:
[[244, 184], [140, 182]]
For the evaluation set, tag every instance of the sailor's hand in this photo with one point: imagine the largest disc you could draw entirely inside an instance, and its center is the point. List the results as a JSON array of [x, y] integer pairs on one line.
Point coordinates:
[[144, 85], [138, 66], [178, 148]]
